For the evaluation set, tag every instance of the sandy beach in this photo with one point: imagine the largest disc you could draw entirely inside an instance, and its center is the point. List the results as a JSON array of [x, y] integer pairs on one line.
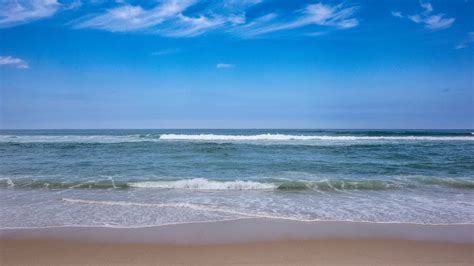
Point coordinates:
[[304, 252], [242, 242], [236, 132]]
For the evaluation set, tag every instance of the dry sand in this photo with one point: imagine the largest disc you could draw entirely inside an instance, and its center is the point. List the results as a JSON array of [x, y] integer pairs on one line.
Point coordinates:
[[242, 242], [294, 252]]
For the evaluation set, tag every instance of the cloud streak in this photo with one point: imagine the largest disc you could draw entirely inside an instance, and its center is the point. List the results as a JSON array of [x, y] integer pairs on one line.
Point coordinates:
[[13, 13], [337, 16], [426, 18], [131, 18], [187, 18], [223, 66], [167, 52], [13, 62], [467, 42]]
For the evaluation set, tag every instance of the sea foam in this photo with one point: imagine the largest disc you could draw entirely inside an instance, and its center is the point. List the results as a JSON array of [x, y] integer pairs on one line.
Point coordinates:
[[216, 138], [205, 184], [284, 137]]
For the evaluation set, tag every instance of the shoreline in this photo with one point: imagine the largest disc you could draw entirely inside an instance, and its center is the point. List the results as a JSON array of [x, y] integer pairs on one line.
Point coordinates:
[[242, 242], [250, 230]]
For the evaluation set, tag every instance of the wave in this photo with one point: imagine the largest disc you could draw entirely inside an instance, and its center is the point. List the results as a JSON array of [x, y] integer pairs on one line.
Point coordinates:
[[72, 138], [283, 137], [264, 184], [218, 138], [186, 205], [242, 214], [52, 184], [204, 184]]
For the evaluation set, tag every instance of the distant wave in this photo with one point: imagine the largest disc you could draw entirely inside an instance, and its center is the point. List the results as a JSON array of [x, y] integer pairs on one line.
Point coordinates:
[[73, 138], [283, 137], [219, 138], [203, 184]]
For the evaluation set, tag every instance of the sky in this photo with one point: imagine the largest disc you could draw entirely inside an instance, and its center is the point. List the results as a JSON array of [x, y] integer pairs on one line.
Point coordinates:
[[236, 64]]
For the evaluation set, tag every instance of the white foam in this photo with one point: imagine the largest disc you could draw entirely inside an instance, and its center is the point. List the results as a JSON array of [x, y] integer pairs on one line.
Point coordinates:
[[186, 206], [214, 137], [8, 181], [70, 138], [204, 184], [242, 214], [283, 137]]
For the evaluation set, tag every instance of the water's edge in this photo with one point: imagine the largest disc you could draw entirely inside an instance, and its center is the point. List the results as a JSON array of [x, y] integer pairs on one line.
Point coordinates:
[[250, 230]]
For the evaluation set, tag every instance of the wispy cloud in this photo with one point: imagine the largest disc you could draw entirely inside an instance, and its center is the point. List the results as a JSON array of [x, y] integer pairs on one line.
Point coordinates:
[[467, 42], [433, 22], [167, 18], [14, 62], [73, 4], [223, 65], [13, 13], [185, 26], [337, 16], [397, 14], [426, 6], [131, 18], [429, 20], [167, 52], [176, 18]]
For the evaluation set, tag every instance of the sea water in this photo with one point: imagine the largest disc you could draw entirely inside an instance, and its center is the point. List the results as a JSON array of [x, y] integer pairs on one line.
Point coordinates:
[[138, 178]]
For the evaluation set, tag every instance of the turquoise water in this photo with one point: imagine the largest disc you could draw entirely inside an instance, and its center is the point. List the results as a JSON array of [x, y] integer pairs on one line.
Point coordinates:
[[134, 178]]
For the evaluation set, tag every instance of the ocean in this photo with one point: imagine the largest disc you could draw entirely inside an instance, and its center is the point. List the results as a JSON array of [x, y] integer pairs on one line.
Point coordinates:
[[141, 178]]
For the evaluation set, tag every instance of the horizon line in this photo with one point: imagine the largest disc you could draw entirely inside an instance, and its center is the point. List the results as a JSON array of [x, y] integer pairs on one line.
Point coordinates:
[[237, 128]]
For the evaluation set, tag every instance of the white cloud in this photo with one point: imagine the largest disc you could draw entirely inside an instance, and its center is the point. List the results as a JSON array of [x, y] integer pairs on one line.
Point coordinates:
[[426, 6], [415, 18], [467, 42], [316, 33], [397, 14], [14, 62], [460, 46], [429, 20], [130, 18], [14, 13], [167, 52], [437, 22], [73, 5], [222, 65], [175, 18], [337, 16], [167, 18], [185, 26]]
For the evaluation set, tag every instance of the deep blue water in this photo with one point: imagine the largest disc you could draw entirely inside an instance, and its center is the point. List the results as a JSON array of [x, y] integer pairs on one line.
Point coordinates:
[[151, 177]]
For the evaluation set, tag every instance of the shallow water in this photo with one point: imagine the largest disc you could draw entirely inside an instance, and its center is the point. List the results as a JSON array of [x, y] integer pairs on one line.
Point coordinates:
[[134, 178]]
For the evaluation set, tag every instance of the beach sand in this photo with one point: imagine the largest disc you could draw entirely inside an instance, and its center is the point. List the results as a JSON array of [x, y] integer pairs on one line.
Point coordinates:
[[304, 252], [242, 242]]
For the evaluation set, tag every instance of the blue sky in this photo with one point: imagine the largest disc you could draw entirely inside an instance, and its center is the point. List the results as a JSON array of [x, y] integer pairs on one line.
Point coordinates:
[[236, 64]]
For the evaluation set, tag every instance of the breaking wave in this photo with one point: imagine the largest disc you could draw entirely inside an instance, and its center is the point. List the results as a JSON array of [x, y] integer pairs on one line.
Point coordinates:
[[283, 137], [263, 184], [219, 138], [204, 184]]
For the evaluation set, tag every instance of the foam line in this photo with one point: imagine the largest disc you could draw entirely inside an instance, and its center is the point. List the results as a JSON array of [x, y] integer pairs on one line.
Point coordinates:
[[215, 137], [204, 184], [282, 137], [180, 205]]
